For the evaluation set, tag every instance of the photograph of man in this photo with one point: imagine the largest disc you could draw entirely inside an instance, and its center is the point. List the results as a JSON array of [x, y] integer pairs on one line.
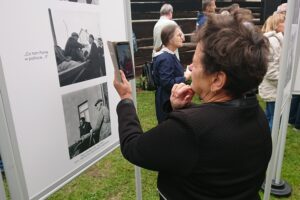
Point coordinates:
[[85, 127], [93, 60], [101, 56], [86, 140], [102, 128], [73, 48]]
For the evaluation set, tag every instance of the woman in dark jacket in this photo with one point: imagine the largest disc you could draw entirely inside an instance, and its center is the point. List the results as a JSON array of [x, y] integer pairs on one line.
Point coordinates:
[[167, 69], [218, 150]]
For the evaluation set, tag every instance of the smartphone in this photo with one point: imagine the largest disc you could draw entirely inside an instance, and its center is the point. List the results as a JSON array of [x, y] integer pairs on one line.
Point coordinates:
[[121, 57], [125, 59], [113, 55]]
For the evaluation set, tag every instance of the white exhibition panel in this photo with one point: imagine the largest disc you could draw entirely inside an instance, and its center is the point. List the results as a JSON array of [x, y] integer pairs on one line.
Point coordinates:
[[37, 104], [294, 31], [291, 60], [286, 86]]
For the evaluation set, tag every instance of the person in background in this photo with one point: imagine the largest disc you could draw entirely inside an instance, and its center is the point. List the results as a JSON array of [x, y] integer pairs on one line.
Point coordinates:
[[282, 8], [224, 12], [166, 15], [233, 7], [1, 165], [134, 43], [73, 48], [294, 116], [273, 29], [219, 149], [208, 7], [167, 69], [230, 9]]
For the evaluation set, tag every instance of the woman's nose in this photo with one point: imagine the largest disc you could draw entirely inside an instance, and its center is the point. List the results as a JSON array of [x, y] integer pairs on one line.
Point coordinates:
[[182, 37]]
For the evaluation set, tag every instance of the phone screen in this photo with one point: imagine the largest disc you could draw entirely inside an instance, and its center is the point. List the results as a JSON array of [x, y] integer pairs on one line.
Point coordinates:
[[125, 59]]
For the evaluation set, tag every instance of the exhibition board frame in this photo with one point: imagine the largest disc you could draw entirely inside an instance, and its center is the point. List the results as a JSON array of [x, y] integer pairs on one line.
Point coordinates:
[[14, 147], [287, 85]]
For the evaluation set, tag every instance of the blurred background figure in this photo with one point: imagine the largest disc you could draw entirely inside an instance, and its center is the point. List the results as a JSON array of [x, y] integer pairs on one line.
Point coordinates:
[[273, 29], [230, 9], [1, 165], [282, 8], [208, 7], [166, 15]]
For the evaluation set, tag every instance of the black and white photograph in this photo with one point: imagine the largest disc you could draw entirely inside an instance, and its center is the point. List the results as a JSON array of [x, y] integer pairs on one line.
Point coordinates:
[[95, 2], [78, 46], [87, 118]]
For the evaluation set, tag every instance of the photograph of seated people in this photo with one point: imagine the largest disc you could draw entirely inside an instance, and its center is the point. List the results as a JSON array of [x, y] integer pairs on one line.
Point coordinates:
[[79, 62], [102, 128], [91, 135], [167, 68], [221, 148]]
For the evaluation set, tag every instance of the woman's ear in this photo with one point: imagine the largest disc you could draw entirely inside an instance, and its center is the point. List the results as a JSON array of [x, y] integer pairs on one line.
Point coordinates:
[[218, 81]]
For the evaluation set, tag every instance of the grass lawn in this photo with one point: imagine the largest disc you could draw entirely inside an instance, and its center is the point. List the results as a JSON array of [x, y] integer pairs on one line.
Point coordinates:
[[113, 177]]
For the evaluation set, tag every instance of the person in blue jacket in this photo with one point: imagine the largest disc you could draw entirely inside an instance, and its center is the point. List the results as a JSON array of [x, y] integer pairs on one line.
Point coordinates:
[[167, 68], [208, 7]]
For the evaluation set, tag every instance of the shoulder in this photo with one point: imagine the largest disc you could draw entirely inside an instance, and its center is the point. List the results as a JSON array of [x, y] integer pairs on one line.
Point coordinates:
[[164, 22], [273, 36], [279, 37], [163, 56], [275, 41], [198, 113], [171, 22], [201, 16], [195, 118]]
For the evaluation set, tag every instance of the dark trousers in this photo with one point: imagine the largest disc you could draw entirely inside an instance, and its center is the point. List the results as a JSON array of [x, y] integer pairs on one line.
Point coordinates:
[[270, 107], [294, 117]]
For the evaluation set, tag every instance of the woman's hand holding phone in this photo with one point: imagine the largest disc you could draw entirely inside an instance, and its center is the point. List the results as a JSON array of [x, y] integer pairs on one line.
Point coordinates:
[[122, 85]]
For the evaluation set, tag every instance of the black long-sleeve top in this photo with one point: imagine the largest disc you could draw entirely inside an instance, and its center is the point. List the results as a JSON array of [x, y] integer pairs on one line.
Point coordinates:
[[211, 151]]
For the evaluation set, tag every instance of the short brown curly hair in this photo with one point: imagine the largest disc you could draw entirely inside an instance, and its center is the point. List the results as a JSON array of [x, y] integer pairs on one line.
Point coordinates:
[[237, 48]]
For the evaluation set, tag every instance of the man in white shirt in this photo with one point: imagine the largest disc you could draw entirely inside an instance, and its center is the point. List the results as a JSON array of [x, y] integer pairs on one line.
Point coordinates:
[[166, 15]]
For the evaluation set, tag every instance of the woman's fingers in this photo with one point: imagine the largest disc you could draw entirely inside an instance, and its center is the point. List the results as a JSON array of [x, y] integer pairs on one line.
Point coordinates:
[[123, 77], [177, 88]]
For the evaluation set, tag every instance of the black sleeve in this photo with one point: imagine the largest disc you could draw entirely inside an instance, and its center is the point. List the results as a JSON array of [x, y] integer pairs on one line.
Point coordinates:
[[169, 147], [93, 52], [89, 127]]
